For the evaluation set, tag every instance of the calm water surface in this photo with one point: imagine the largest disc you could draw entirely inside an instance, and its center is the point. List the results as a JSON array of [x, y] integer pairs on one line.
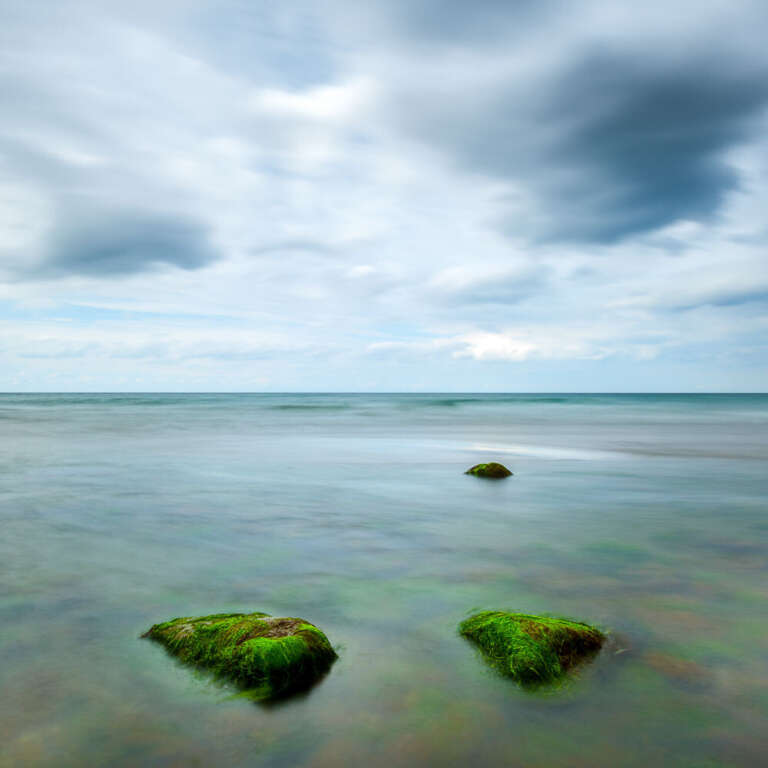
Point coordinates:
[[644, 514]]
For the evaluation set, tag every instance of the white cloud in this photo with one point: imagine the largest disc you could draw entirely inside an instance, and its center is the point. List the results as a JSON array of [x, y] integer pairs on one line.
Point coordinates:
[[325, 103], [495, 346], [519, 345]]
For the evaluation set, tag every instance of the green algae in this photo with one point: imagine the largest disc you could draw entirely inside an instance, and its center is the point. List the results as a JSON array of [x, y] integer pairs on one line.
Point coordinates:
[[531, 649], [492, 470], [270, 656]]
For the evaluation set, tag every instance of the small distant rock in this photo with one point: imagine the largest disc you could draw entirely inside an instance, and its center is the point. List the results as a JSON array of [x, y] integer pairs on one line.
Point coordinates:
[[531, 649], [492, 470], [274, 655]]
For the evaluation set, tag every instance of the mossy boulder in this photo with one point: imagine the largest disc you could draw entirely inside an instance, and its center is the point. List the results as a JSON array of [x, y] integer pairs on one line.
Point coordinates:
[[531, 649], [272, 656], [492, 470]]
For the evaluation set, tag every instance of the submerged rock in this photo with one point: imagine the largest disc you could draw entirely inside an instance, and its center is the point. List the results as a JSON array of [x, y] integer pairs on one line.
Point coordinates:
[[491, 469], [531, 649], [676, 668], [273, 655]]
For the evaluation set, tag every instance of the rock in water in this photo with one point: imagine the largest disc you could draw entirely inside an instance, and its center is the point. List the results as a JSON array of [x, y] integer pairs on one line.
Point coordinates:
[[492, 470], [273, 655], [531, 649]]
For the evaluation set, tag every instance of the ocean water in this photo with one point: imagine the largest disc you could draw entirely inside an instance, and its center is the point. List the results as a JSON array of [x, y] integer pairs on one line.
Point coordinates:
[[647, 515]]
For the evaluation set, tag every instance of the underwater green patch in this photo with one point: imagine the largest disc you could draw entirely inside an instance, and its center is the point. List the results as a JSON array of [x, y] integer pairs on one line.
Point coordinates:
[[531, 649], [491, 469], [272, 656]]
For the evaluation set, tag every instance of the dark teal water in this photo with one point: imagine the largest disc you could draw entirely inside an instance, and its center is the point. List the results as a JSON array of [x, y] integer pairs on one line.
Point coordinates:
[[644, 514]]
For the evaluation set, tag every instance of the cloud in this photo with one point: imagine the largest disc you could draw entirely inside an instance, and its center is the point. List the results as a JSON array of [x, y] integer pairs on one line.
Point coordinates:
[[736, 291], [650, 139], [290, 246], [161, 342], [495, 346], [326, 103], [611, 147], [599, 135], [479, 284], [448, 22], [736, 298], [519, 345], [110, 243]]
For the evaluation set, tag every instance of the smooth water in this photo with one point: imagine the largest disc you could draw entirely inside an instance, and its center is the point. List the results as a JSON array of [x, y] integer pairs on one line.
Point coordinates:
[[643, 514]]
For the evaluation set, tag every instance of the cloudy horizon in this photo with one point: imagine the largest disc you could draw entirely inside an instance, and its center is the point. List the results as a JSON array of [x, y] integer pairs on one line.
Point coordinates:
[[386, 196]]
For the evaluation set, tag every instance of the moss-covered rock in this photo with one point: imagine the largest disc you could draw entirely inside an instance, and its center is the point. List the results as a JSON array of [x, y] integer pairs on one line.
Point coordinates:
[[492, 470], [531, 649], [275, 656]]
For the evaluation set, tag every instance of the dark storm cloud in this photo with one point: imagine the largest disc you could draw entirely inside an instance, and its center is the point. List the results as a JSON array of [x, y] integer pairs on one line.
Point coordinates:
[[655, 135], [608, 120], [103, 243], [612, 146], [102, 240]]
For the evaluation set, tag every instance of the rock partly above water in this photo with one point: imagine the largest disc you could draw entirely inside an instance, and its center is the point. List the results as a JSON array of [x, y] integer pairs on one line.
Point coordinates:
[[492, 470], [531, 649], [273, 656]]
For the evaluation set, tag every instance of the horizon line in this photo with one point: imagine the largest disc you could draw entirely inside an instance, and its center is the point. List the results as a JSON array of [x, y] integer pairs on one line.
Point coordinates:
[[368, 392]]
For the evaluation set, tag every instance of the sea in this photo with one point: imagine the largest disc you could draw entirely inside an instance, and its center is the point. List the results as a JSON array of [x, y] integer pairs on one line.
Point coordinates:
[[646, 515]]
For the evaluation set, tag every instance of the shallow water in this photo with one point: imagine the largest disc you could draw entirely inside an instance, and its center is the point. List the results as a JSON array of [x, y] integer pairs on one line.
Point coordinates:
[[643, 514]]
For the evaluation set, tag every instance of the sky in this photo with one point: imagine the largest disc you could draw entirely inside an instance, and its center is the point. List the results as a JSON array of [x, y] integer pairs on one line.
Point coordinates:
[[420, 195]]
